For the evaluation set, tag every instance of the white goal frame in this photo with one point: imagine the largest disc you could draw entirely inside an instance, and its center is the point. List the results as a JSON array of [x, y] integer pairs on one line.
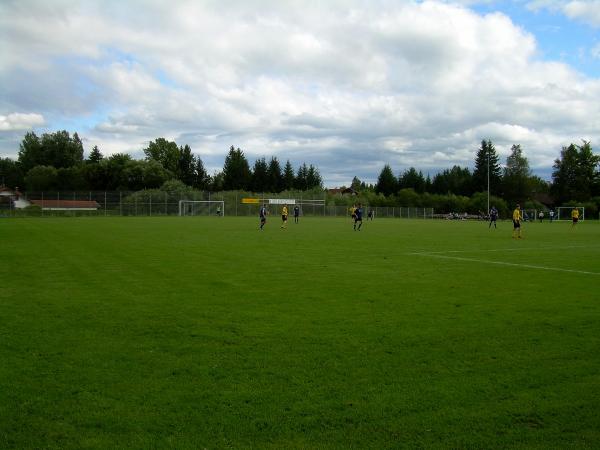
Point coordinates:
[[566, 212], [184, 203], [532, 214]]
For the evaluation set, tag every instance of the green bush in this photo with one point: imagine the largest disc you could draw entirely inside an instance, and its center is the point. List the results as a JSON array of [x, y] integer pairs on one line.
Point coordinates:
[[479, 201], [32, 210]]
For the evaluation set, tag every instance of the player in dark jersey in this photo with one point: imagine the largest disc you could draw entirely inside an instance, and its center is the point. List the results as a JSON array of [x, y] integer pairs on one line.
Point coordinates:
[[493, 217], [296, 213], [263, 216], [358, 213]]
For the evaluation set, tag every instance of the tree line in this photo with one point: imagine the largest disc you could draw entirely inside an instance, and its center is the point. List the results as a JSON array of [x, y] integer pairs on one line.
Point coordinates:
[[55, 161], [575, 177]]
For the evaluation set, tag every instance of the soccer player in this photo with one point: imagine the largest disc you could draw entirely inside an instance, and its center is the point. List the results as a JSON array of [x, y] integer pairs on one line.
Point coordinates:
[[284, 216], [551, 215], [296, 213], [263, 216], [574, 217], [353, 212], [370, 214], [517, 222], [493, 217], [358, 212], [541, 216]]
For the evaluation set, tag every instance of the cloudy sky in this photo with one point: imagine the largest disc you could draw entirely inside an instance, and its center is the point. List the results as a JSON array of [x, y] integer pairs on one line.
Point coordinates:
[[346, 85]]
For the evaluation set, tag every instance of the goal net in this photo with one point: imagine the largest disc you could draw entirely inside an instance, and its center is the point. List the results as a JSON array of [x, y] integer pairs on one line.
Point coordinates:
[[202, 208], [564, 212]]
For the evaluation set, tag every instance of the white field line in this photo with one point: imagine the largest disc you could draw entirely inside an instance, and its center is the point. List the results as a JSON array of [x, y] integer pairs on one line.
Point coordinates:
[[502, 263], [504, 250]]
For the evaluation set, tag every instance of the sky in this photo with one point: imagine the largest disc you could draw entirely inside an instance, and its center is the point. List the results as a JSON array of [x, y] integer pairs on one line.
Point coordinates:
[[346, 85]]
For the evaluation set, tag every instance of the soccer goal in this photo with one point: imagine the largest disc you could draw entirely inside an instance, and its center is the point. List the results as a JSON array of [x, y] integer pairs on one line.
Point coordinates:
[[564, 212], [202, 208], [529, 215]]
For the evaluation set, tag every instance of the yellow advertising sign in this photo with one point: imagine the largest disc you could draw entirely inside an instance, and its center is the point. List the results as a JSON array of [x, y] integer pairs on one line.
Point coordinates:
[[251, 201]]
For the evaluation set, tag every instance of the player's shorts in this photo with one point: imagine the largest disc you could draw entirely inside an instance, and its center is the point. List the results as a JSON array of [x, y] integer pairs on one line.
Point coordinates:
[[284, 217], [516, 224], [357, 219], [263, 219], [493, 218], [575, 219]]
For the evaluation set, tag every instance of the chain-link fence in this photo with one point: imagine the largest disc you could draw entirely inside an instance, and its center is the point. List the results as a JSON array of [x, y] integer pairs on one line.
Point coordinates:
[[161, 203]]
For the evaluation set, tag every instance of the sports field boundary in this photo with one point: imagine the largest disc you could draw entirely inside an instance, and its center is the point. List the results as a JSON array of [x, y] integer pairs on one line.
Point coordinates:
[[444, 255]]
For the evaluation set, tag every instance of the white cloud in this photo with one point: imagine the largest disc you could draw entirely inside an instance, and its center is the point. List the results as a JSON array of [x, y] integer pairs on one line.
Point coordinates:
[[20, 121], [347, 86], [587, 11]]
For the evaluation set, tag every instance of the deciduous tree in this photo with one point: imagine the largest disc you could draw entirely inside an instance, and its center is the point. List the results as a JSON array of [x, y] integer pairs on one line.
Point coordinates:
[[457, 180], [576, 174], [165, 152], [57, 149], [11, 174]]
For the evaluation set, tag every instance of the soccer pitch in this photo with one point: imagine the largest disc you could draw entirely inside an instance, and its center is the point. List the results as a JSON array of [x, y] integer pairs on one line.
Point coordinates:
[[207, 333]]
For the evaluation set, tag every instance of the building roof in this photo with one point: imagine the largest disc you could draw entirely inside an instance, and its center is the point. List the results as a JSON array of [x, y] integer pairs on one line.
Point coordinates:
[[66, 204], [343, 191]]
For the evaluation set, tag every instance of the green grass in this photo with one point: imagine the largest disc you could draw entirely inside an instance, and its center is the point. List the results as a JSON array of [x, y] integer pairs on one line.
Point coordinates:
[[206, 333]]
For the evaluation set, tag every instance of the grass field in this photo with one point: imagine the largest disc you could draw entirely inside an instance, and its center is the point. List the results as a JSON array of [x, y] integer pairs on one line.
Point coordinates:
[[206, 333]]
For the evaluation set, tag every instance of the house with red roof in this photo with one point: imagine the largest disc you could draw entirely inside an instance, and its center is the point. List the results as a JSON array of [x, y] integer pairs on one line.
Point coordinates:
[[10, 199], [66, 205]]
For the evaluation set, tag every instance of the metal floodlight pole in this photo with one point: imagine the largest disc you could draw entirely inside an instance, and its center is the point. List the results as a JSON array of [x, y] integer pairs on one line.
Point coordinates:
[[488, 179]]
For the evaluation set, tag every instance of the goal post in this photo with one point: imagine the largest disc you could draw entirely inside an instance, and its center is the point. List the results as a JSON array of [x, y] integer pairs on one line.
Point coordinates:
[[202, 208], [564, 212], [529, 215]]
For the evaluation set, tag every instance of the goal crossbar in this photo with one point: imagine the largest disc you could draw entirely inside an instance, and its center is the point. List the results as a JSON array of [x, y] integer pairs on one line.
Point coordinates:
[[564, 212]]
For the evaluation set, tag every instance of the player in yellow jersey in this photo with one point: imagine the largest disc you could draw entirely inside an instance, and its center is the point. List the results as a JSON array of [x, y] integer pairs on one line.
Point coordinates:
[[284, 216], [574, 217], [352, 210], [517, 222]]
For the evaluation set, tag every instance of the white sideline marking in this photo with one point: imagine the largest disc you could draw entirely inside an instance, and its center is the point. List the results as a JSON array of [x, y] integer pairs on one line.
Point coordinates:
[[504, 250], [502, 263]]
